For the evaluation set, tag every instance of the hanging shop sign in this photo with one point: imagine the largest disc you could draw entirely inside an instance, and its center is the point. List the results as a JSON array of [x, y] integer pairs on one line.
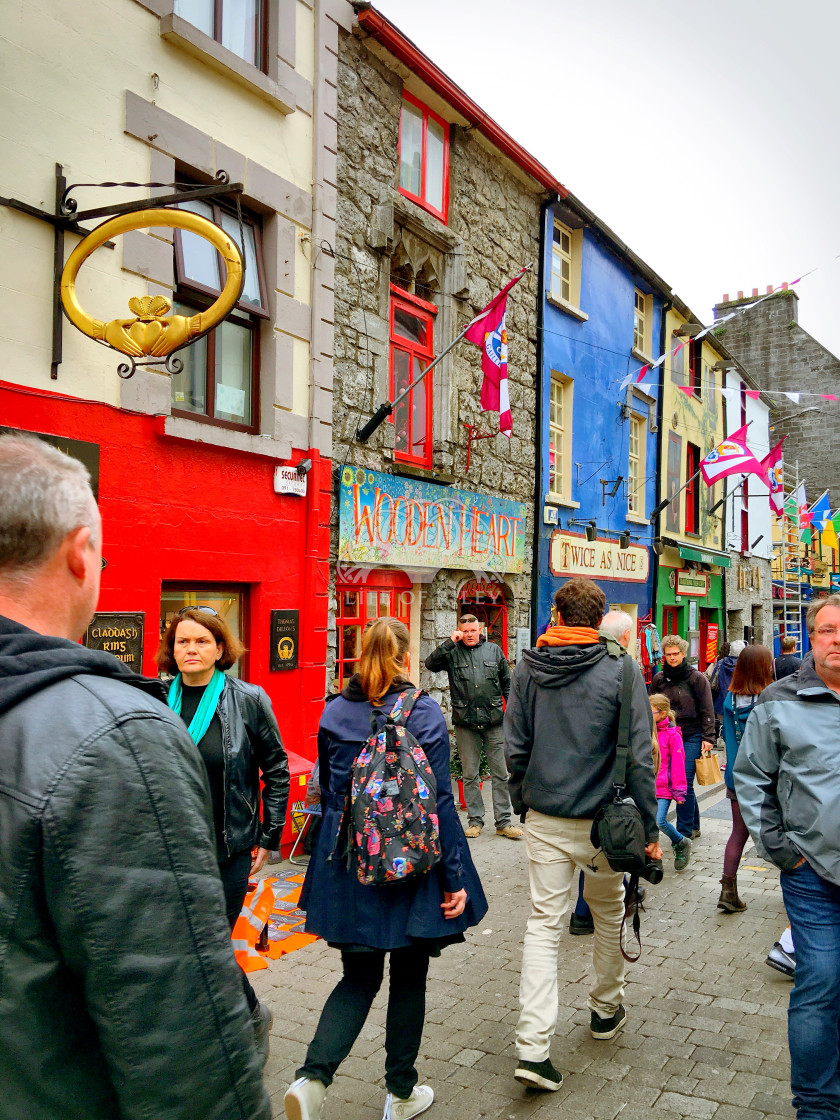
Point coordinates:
[[692, 583], [119, 633], [385, 519], [477, 590], [573, 555], [285, 637], [152, 334]]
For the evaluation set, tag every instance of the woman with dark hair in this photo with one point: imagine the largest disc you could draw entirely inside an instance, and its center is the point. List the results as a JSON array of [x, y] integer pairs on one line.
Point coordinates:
[[752, 674], [411, 920], [234, 728]]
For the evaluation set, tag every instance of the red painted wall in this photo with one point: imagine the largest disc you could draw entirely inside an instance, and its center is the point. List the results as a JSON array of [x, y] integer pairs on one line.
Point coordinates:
[[177, 510]]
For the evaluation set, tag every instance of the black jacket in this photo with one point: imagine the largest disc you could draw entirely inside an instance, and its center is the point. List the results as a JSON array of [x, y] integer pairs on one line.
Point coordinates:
[[561, 726], [691, 699], [479, 680], [120, 998], [252, 744]]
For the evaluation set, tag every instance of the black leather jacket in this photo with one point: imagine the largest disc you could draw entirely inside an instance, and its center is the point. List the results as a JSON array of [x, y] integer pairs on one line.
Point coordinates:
[[252, 744], [479, 678], [120, 998]]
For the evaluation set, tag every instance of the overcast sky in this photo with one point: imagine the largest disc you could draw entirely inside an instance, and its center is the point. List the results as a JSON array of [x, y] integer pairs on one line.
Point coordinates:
[[704, 134]]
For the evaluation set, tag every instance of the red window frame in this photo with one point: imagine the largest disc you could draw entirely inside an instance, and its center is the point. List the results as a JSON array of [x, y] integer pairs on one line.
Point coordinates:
[[695, 367], [421, 198], [389, 593], [422, 310], [692, 503]]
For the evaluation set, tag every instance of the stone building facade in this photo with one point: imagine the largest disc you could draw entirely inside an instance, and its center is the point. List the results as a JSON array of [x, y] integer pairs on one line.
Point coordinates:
[[783, 357], [394, 256]]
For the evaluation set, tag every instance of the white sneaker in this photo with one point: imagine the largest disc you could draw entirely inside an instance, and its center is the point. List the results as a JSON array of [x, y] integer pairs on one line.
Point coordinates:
[[304, 1098], [421, 1098]]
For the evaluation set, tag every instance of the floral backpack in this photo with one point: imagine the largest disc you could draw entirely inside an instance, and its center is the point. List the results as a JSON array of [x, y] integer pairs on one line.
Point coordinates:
[[393, 802]]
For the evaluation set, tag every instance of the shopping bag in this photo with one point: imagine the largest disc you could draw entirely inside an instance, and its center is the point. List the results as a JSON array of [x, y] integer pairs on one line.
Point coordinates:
[[708, 770]]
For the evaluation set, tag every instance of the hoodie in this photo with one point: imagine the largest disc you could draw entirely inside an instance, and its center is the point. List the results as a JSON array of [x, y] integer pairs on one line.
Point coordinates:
[[561, 726]]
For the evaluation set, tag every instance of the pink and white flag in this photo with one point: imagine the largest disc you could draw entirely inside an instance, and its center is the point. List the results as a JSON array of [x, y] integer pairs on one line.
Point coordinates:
[[487, 330], [732, 456], [773, 464]]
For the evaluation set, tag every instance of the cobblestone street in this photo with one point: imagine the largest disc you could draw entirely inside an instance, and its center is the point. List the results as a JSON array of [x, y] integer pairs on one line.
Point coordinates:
[[706, 1029]]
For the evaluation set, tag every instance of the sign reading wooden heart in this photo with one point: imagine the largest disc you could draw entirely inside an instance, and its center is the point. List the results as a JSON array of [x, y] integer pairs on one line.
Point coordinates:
[[153, 332]]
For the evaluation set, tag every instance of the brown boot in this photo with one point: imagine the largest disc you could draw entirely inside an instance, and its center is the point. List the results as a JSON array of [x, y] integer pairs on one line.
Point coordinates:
[[729, 900]]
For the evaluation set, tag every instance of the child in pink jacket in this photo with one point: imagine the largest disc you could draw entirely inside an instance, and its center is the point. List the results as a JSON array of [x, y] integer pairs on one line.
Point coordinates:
[[671, 783]]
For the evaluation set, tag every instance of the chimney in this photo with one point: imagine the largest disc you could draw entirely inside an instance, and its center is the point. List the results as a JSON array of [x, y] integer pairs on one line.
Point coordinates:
[[755, 292], [725, 297]]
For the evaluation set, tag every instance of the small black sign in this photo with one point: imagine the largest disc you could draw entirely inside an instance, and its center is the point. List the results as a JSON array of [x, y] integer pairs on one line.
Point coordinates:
[[285, 633], [119, 633], [87, 453]]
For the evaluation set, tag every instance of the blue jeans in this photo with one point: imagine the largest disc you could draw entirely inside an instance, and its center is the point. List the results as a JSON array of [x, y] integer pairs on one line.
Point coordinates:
[[663, 804], [813, 906], [688, 814]]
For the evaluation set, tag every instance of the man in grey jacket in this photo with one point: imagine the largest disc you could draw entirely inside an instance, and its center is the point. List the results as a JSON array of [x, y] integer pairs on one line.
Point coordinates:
[[561, 727], [120, 997], [787, 778]]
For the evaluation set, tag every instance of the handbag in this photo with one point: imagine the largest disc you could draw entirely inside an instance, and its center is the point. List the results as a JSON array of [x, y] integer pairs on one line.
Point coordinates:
[[708, 770]]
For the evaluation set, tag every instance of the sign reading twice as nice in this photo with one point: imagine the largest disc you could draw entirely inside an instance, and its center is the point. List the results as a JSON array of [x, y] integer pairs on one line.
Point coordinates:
[[385, 519], [573, 555]]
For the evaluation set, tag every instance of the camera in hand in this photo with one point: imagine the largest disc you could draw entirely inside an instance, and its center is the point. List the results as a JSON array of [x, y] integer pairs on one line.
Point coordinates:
[[652, 871]]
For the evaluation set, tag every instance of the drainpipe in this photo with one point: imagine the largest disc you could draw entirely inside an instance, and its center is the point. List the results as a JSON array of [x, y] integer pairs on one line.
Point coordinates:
[[538, 412], [660, 410]]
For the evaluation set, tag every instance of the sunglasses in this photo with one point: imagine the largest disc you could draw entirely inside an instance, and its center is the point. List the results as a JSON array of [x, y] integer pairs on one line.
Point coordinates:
[[207, 610]]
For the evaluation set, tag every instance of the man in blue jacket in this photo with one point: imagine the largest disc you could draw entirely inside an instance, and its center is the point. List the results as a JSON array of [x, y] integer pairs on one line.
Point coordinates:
[[787, 778]]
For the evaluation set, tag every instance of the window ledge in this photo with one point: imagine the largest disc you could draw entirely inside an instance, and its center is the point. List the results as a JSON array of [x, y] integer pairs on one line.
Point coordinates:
[[196, 431], [182, 34], [569, 308], [637, 519], [641, 356], [559, 500]]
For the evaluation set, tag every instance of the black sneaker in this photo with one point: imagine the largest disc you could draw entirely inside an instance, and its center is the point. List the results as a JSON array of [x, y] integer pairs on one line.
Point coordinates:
[[606, 1028], [580, 924], [539, 1075], [682, 854]]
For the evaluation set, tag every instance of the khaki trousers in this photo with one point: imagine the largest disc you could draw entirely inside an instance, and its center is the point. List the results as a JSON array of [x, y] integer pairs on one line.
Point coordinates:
[[557, 848]]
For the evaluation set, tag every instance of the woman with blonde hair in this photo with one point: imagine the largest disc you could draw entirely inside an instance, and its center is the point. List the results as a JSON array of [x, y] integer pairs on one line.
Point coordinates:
[[411, 920]]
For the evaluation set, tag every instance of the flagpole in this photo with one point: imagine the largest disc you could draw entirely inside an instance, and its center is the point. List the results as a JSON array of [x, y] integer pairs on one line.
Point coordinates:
[[387, 407]]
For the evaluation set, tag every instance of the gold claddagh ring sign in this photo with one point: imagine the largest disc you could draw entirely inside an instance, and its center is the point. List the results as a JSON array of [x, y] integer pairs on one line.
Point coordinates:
[[152, 332]]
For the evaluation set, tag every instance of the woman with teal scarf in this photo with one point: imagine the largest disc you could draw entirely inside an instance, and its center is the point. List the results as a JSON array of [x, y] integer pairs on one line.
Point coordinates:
[[233, 726]]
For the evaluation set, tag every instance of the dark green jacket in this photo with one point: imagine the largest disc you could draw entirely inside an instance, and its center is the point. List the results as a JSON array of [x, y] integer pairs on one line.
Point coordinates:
[[479, 680]]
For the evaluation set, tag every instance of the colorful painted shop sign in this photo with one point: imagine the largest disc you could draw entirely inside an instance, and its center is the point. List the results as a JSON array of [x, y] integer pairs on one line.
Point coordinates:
[[573, 555], [385, 519]]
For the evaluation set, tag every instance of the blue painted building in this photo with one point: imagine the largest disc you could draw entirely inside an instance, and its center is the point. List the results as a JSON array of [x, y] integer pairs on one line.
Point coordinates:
[[602, 311]]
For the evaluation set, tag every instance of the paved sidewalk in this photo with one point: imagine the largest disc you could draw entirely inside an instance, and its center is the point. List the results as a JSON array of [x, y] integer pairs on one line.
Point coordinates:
[[705, 1036]]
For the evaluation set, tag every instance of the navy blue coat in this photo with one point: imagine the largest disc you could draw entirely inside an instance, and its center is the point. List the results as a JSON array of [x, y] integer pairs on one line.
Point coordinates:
[[341, 909]]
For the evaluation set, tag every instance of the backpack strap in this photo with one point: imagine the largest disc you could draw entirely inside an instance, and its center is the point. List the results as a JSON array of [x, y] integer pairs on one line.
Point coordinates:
[[623, 740], [404, 706]]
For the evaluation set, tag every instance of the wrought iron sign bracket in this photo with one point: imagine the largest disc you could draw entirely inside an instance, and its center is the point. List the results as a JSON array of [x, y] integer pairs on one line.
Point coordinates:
[[66, 218], [474, 434]]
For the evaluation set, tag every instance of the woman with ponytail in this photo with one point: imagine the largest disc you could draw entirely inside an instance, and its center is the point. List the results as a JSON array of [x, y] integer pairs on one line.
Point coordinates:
[[410, 921]]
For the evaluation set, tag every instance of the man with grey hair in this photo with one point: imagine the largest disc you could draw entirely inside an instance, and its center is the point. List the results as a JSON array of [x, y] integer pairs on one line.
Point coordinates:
[[121, 997], [617, 626], [787, 779]]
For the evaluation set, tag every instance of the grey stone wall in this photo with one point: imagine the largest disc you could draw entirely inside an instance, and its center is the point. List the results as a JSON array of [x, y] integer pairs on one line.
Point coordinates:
[[781, 356], [748, 599], [491, 232]]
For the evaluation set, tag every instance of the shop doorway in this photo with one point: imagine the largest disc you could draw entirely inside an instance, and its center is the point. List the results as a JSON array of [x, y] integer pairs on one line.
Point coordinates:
[[228, 602], [670, 620], [383, 594], [486, 600]]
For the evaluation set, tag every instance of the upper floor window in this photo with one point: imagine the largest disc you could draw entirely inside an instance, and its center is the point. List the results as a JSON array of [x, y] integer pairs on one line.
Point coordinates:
[[672, 482], [692, 494], [677, 359], [220, 379], [238, 25], [639, 322], [695, 366], [560, 436], [424, 156], [412, 348], [636, 466], [561, 263]]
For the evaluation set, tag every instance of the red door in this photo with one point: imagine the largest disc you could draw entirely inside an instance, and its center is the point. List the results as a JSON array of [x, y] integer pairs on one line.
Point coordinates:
[[670, 620]]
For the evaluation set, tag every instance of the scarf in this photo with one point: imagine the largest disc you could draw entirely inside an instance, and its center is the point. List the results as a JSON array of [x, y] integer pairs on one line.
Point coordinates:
[[676, 673], [207, 705], [568, 636]]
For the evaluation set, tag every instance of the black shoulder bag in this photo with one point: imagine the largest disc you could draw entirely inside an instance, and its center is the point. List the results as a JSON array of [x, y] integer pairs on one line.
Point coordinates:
[[618, 829]]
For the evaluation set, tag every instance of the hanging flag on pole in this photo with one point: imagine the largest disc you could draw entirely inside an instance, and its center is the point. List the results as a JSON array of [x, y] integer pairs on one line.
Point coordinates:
[[732, 456], [796, 507], [820, 514], [773, 464], [487, 331]]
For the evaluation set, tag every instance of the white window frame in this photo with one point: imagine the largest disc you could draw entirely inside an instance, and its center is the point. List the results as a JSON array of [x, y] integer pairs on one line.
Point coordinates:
[[636, 465], [558, 256], [640, 321], [562, 433]]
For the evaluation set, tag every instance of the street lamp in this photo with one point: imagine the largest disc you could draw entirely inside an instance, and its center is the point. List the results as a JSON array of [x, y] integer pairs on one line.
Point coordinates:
[[794, 416]]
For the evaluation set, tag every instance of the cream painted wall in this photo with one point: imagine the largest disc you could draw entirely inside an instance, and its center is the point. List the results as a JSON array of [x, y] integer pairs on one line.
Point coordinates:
[[63, 80]]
